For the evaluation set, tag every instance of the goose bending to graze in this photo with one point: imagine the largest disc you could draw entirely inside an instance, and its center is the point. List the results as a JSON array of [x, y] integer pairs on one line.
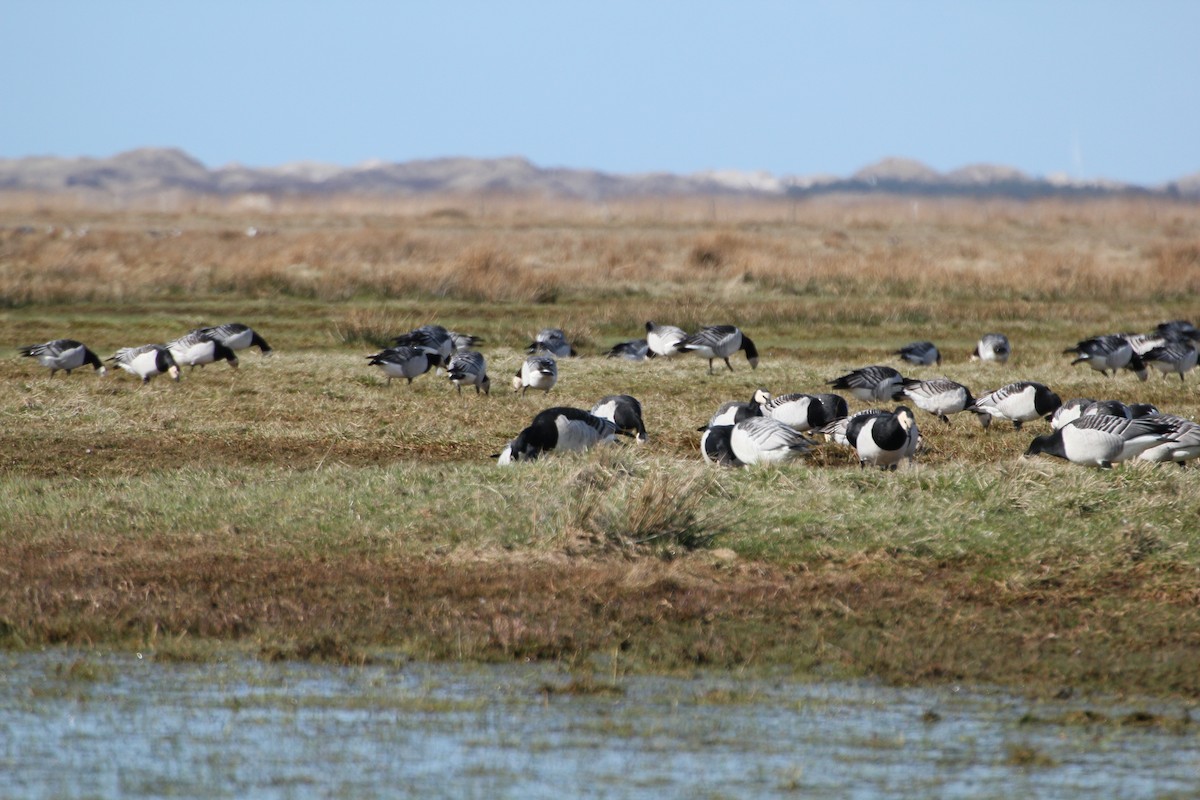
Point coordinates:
[[64, 354], [804, 412], [762, 440], [146, 361], [552, 341], [1178, 329], [938, 396], [236, 336], [870, 384], [633, 350], [922, 354], [1018, 402], [715, 445], [1103, 353], [557, 429], [1070, 411], [992, 347], [469, 368], [662, 339], [735, 411], [884, 439], [1110, 408], [464, 341], [432, 338], [197, 348], [1182, 446], [836, 431], [536, 372], [719, 341], [1178, 357], [404, 362], [625, 413], [1100, 440]]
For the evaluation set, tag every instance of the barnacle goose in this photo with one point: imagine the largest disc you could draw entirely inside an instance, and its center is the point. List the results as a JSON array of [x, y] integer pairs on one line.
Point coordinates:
[[552, 341], [1111, 351], [468, 368], [1070, 411], [633, 350], [735, 411], [536, 372], [938, 396], [1182, 446], [557, 429], [236, 336], [836, 431], [1178, 357], [870, 383], [1018, 402], [404, 362], [433, 338], [805, 412], [64, 354], [715, 445], [884, 439], [762, 440], [992, 347], [146, 361], [1111, 408], [719, 341], [662, 339], [1100, 440], [1178, 329], [464, 341], [625, 413], [922, 354], [197, 348]]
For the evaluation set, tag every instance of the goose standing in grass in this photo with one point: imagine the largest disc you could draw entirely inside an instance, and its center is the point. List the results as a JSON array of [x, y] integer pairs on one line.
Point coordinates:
[[992, 347], [1182, 446], [556, 430], [804, 412], [196, 349], [715, 445], [146, 361], [464, 341], [552, 341], [884, 439], [1178, 329], [870, 384], [404, 362], [625, 413], [469, 368], [836, 431], [1103, 353], [236, 336], [64, 354], [1178, 357], [1100, 440], [1018, 402], [719, 341], [663, 339], [938, 396], [735, 411], [1069, 411], [536, 372], [432, 338], [633, 350], [1109, 408], [921, 354], [762, 440]]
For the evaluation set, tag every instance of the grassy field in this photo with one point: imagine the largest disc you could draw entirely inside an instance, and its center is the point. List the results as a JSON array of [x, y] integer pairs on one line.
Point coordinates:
[[299, 507]]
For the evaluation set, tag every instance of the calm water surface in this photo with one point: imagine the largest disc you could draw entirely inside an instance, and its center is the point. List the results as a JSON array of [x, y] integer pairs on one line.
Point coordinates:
[[86, 725]]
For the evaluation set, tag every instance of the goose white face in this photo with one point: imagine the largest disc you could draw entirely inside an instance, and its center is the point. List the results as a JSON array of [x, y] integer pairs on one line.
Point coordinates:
[[173, 371]]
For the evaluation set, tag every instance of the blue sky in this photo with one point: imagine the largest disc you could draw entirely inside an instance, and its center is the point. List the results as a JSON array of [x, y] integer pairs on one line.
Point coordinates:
[[1091, 89]]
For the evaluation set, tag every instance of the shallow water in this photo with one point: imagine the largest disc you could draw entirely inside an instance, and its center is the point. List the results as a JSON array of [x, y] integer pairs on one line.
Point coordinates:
[[75, 725]]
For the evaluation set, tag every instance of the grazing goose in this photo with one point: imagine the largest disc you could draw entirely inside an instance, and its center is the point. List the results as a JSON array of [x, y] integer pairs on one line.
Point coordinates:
[[939, 396], [1070, 411], [1018, 402], [464, 341], [922, 354], [1140, 343], [64, 354], [870, 384], [735, 411], [992, 347], [557, 429], [633, 350], [552, 341], [1103, 353], [1182, 446], [625, 413], [804, 412], [836, 431], [1178, 357], [236, 336], [1100, 440], [719, 341], [196, 349], [468, 368], [433, 338], [884, 439], [762, 440], [1178, 329], [404, 362], [1111, 408], [146, 361], [716, 447], [662, 339], [536, 372]]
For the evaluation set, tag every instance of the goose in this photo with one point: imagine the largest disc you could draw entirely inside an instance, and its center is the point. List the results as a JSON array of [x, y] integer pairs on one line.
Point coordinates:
[[735, 411], [552, 341], [870, 383], [1111, 408], [64, 354], [762, 440], [992, 347], [719, 341], [1182, 446], [432, 338], [1140, 343], [625, 413], [196, 349], [922, 354], [836, 431], [469, 368], [804, 412], [662, 339], [1069, 411], [633, 350], [1178, 357], [715, 445], [1018, 402], [536, 372], [938, 396], [884, 439], [236, 336], [464, 341], [146, 361], [557, 429], [1103, 353], [404, 362], [1101, 440], [1178, 329]]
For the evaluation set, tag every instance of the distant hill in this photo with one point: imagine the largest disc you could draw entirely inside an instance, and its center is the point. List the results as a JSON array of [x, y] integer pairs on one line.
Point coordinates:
[[151, 171]]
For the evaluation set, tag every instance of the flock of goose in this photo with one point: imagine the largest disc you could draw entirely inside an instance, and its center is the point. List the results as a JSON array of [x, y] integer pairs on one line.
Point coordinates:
[[765, 429]]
